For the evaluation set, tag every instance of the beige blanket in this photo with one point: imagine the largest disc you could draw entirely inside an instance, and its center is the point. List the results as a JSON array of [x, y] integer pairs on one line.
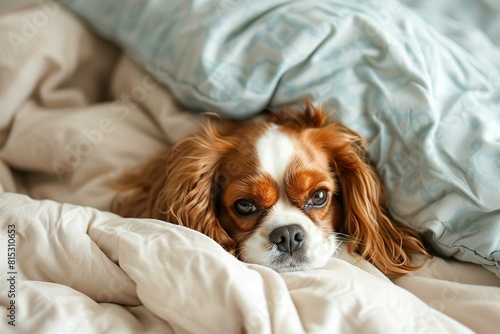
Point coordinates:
[[76, 112]]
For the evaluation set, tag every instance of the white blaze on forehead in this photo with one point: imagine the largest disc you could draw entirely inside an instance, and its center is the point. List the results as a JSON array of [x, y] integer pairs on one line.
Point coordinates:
[[275, 151]]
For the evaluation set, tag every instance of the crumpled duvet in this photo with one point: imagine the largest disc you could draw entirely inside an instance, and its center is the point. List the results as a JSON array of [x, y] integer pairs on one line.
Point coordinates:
[[88, 271]]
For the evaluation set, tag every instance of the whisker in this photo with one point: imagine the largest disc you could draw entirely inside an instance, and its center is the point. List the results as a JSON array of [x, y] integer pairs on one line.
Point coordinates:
[[349, 238]]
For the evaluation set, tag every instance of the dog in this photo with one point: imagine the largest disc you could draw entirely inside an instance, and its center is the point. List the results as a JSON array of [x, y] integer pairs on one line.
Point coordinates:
[[282, 192]]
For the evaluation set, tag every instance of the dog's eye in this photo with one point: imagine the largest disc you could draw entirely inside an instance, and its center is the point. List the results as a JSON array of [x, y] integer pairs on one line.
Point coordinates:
[[317, 200], [245, 207]]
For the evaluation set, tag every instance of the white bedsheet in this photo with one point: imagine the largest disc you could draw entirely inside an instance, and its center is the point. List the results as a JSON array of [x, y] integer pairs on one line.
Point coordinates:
[[75, 112]]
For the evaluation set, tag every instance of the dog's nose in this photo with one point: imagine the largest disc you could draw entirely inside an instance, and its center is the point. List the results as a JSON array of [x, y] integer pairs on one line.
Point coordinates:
[[288, 238]]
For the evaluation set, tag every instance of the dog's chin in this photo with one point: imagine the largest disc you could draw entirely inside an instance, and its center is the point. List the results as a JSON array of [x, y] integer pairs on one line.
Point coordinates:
[[289, 263], [291, 266], [283, 262]]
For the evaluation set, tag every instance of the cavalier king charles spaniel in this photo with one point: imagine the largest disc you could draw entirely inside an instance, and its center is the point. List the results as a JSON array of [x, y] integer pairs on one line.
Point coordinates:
[[281, 192]]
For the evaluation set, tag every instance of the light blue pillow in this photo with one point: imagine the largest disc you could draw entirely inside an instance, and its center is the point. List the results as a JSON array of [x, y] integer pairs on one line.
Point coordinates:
[[427, 97]]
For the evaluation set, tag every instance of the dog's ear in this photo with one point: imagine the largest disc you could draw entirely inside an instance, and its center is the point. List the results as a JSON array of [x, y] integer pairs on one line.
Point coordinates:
[[383, 242], [180, 186]]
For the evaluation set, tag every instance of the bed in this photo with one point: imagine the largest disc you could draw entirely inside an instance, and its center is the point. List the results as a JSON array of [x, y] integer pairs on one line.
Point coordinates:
[[89, 89]]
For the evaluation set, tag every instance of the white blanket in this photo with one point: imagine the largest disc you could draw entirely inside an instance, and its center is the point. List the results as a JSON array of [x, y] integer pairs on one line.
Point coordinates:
[[76, 112]]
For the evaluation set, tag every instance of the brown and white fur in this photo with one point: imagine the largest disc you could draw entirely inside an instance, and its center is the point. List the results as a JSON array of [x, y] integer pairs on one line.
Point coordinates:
[[281, 193]]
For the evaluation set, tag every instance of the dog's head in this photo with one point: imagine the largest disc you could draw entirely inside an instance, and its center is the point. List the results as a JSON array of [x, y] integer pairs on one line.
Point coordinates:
[[277, 193]]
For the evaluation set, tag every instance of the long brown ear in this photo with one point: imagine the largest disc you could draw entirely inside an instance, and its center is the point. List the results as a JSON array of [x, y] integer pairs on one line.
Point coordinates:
[[180, 186], [383, 242]]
